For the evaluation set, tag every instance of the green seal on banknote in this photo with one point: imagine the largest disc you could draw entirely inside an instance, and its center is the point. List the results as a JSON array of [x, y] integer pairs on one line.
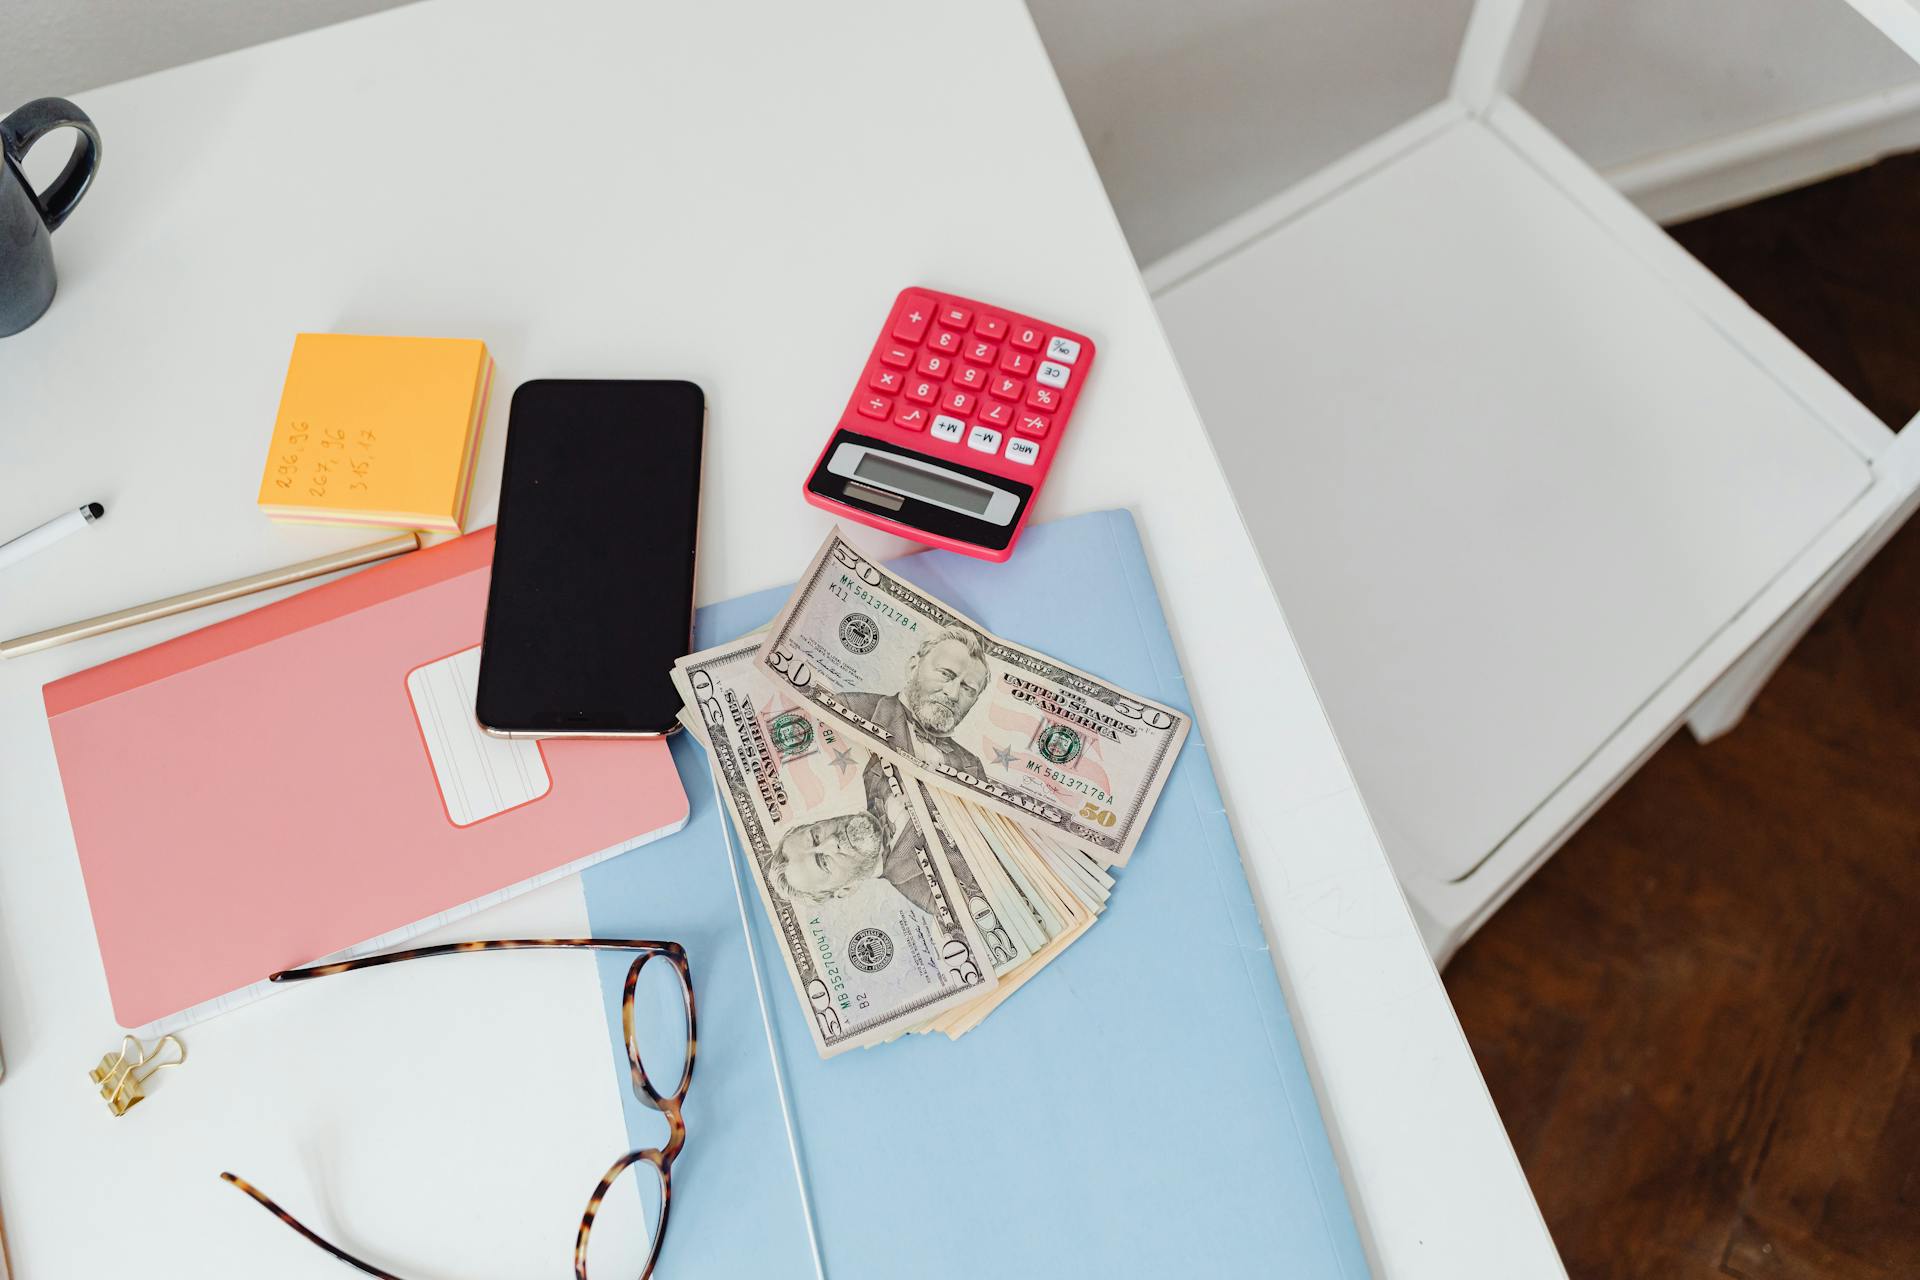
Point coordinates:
[[792, 733], [1058, 744]]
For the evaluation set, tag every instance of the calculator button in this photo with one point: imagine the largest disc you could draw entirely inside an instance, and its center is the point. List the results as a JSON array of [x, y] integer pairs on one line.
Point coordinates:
[[957, 401], [914, 314], [1041, 397], [981, 352], [1031, 424], [875, 406], [923, 391], [945, 340], [984, 440], [997, 414], [1016, 362], [1026, 337], [911, 417], [955, 316], [971, 377], [1024, 452], [990, 327], [887, 380], [1054, 375], [1007, 387], [934, 365], [1065, 350], [952, 430], [898, 357]]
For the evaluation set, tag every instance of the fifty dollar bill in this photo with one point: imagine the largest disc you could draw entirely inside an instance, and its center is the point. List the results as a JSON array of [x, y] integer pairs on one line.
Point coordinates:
[[1011, 729], [875, 923]]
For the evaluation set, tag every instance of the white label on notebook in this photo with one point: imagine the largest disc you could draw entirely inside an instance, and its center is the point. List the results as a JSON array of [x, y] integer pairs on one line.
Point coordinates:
[[479, 775]]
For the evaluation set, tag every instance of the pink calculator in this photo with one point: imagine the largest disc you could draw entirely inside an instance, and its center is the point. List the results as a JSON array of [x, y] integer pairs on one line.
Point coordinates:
[[950, 432]]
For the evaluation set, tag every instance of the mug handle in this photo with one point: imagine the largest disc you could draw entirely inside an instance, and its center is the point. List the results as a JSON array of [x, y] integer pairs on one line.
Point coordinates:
[[18, 133]]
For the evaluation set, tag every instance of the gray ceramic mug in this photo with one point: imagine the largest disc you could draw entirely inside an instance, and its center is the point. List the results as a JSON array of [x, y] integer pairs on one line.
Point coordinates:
[[28, 217]]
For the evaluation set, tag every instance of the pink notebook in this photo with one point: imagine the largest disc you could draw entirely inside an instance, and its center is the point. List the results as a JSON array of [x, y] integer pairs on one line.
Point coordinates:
[[307, 781]]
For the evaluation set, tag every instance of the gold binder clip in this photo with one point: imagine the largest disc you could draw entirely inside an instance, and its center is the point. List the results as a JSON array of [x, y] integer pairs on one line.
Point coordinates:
[[122, 1076]]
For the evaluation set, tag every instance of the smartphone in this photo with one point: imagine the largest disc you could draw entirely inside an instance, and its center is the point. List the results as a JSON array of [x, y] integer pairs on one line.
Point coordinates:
[[593, 556]]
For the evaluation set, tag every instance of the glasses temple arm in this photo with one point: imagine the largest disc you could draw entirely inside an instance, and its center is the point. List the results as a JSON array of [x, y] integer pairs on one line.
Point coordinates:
[[306, 972], [266, 1202]]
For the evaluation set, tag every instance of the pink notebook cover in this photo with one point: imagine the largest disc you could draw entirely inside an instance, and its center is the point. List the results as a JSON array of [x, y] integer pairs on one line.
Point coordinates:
[[259, 794]]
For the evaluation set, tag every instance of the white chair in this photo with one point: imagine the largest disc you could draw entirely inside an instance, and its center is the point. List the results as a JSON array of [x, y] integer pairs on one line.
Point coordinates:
[[1533, 487]]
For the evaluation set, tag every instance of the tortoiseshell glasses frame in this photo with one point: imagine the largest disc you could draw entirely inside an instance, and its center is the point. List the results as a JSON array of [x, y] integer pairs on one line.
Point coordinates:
[[667, 1104]]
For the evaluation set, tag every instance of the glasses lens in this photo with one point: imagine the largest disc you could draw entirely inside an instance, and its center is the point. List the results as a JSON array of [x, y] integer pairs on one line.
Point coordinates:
[[624, 1229], [660, 1025]]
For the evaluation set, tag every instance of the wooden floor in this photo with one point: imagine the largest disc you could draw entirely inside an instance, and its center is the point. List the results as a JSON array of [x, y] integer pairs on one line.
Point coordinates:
[[1701, 1020]]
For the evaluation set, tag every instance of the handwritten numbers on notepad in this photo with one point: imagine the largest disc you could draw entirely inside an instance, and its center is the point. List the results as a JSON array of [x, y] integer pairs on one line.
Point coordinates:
[[311, 461], [289, 464], [360, 461]]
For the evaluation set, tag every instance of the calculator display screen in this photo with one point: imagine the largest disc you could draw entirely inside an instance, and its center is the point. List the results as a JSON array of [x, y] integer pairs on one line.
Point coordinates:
[[923, 484]]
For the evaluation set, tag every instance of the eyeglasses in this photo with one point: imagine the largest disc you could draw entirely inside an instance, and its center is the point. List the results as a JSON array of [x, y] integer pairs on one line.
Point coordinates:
[[659, 1159]]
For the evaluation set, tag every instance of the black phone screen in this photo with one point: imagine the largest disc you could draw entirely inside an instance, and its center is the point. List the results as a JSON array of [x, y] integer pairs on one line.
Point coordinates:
[[592, 592]]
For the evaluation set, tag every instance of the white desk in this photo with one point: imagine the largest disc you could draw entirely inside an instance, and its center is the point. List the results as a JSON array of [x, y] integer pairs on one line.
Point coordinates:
[[597, 191]]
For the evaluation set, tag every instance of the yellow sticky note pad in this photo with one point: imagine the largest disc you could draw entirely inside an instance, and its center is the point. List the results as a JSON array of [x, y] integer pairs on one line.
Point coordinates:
[[378, 431]]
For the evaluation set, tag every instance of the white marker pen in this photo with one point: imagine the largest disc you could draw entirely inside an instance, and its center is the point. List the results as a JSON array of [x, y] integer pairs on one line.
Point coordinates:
[[49, 533]]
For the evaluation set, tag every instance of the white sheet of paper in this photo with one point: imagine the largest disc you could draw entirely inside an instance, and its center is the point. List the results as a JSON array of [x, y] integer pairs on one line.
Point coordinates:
[[479, 775]]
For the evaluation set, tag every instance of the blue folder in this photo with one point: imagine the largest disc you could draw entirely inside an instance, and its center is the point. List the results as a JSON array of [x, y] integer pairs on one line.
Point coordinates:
[[1139, 1109]]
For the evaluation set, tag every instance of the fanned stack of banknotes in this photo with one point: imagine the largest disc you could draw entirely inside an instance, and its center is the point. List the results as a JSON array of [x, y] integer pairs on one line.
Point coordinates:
[[930, 814]]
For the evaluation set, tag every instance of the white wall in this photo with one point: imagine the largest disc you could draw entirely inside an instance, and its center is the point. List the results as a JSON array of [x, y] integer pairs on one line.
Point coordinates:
[[61, 47], [1620, 80], [1197, 110]]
